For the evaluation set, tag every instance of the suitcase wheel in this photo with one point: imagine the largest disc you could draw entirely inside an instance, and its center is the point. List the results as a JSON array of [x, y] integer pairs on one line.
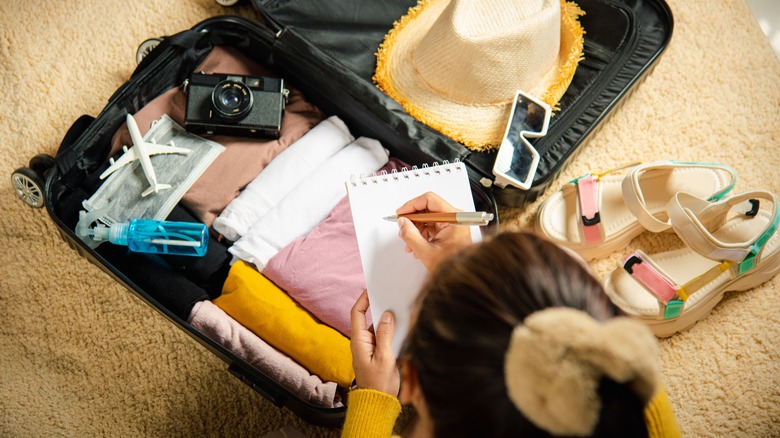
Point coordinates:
[[227, 3], [41, 163], [28, 185], [145, 48], [28, 182]]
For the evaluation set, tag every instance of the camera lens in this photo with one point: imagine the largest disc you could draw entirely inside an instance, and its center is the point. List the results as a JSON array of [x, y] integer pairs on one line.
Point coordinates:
[[232, 100]]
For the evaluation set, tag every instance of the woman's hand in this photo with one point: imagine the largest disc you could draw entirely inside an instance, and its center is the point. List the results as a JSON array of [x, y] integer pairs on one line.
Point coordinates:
[[372, 352], [430, 242]]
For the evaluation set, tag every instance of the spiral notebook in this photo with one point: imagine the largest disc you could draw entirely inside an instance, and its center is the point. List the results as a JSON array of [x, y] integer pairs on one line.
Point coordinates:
[[393, 276]]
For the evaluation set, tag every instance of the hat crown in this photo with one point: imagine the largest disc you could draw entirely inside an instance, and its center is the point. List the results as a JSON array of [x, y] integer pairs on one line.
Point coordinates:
[[481, 52]]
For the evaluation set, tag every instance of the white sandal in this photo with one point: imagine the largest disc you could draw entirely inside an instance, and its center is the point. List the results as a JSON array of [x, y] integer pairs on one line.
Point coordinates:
[[733, 245], [598, 214]]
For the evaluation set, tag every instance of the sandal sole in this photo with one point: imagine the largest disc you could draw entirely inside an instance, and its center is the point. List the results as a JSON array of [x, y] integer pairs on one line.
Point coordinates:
[[768, 267]]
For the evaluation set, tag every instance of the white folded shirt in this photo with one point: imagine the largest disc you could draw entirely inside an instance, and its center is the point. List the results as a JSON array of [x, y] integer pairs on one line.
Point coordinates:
[[308, 203], [281, 176]]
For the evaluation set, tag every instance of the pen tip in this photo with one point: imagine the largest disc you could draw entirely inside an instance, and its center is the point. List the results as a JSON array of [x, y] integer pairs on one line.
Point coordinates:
[[392, 218]]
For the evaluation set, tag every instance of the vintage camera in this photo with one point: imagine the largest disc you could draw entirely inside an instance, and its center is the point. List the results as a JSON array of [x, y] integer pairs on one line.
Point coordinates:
[[235, 105]]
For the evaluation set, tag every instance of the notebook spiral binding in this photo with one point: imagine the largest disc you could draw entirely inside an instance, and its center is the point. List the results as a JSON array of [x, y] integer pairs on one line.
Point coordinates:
[[396, 175]]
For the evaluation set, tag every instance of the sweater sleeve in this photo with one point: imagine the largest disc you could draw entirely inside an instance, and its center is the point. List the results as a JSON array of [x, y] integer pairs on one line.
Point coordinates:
[[659, 417], [373, 413], [370, 414]]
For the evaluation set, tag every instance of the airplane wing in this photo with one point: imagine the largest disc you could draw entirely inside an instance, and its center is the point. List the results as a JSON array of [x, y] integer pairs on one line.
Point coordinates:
[[127, 157], [154, 149], [131, 155]]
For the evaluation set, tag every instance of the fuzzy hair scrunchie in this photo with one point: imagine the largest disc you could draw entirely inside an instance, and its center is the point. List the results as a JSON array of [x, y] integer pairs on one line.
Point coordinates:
[[557, 358]]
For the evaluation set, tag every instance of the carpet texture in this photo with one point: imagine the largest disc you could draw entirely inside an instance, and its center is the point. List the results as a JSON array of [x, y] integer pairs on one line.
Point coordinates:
[[80, 356]]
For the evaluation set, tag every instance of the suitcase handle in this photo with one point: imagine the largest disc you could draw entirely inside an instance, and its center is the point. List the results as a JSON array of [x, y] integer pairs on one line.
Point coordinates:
[[185, 40], [76, 129], [243, 376], [65, 158]]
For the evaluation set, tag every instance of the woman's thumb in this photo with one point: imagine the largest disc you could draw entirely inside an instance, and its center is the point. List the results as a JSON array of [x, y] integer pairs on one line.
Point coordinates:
[[384, 331]]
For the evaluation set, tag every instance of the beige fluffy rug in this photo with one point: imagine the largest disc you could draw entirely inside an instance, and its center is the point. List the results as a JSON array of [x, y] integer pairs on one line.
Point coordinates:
[[80, 356]]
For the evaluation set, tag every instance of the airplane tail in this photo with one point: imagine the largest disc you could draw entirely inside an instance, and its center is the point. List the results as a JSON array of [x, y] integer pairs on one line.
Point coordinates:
[[154, 189]]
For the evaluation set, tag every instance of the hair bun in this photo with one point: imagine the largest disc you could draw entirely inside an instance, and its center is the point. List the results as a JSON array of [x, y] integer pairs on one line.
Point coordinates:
[[557, 358]]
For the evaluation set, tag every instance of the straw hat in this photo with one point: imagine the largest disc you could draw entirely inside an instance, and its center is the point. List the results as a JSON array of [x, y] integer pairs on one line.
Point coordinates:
[[455, 65]]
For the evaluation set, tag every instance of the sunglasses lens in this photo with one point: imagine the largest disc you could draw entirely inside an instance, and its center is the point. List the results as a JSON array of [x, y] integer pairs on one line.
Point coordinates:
[[517, 159], [528, 116], [522, 162], [534, 118]]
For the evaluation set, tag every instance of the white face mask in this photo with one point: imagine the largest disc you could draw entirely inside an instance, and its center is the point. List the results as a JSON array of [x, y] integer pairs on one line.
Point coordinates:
[[123, 189]]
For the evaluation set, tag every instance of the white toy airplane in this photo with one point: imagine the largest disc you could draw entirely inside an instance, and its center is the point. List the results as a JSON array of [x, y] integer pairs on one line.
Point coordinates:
[[141, 151]]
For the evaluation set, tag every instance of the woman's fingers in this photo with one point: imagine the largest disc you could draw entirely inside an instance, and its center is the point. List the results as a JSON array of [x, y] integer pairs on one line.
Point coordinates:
[[415, 242], [428, 201], [384, 336], [357, 316], [372, 353]]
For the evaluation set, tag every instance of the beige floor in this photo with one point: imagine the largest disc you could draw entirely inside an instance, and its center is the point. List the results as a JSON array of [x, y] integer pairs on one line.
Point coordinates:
[[79, 356]]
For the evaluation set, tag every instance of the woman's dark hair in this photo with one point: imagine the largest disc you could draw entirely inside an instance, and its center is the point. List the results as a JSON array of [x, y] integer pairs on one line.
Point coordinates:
[[464, 319]]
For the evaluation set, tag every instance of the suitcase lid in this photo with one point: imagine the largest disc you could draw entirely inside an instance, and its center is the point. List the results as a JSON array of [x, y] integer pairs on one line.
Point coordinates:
[[623, 40]]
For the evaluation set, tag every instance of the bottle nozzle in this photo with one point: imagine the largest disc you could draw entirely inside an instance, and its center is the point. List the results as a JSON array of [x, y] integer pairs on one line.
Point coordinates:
[[100, 233], [93, 237]]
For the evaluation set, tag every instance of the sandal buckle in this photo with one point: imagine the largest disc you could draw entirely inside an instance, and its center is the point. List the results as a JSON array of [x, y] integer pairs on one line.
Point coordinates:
[[629, 264], [754, 204], [590, 222]]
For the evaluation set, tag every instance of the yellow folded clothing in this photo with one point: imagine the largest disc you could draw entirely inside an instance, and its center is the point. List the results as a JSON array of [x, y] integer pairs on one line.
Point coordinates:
[[259, 305]]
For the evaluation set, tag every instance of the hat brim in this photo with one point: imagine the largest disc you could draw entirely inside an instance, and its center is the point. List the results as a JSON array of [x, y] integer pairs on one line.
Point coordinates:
[[478, 127]]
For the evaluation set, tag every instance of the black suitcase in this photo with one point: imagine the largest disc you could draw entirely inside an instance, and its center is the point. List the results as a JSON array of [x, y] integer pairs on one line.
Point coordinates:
[[619, 58]]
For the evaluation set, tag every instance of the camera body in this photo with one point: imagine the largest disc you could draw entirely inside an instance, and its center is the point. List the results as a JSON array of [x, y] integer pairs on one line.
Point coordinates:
[[235, 105]]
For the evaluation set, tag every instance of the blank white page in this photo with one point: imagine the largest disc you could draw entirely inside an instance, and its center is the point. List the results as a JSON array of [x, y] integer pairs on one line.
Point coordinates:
[[394, 277]]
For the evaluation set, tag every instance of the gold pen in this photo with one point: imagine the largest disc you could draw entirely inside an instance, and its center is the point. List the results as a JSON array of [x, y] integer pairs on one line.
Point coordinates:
[[458, 218]]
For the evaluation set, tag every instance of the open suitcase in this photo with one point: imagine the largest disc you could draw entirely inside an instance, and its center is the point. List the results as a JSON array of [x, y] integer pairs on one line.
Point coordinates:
[[623, 41]]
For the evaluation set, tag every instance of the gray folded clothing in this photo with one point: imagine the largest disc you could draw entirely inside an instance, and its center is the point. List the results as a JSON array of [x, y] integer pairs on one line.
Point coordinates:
[[122, 192]]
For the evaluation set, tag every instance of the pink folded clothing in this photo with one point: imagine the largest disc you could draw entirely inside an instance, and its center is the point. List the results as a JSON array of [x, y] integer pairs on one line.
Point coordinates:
[[322, 270], [243, 158], [224, 330]]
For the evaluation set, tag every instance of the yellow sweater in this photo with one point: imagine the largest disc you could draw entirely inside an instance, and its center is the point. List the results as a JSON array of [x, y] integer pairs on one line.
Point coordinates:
[[259, 305], [373, 413]]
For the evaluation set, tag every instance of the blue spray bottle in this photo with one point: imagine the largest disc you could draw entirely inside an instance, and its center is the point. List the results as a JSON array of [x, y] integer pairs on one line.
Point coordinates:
[[148, 236]]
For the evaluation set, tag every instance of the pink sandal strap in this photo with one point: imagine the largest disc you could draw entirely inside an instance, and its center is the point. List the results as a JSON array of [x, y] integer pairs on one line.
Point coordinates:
[[588, 196], [589, 200], [671, 297], [658, 284]]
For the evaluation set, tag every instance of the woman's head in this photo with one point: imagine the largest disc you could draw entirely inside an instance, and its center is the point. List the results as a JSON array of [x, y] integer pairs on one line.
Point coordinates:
[[464, 320]]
